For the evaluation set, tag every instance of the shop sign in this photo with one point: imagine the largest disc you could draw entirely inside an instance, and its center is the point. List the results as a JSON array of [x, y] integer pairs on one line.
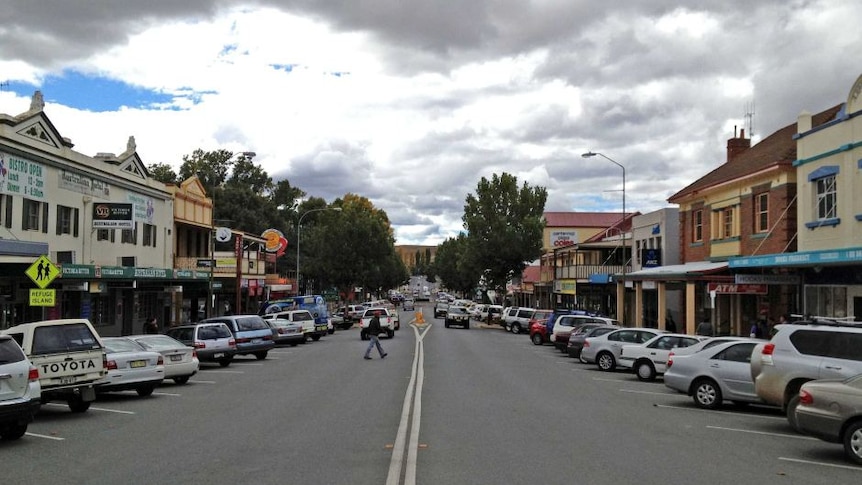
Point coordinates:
[[75, 286], [111, 215], [767, 279], [561, 239], [39, 297], [734, 289], [567, 287], [21, 177], [84, 184], [651, 258]]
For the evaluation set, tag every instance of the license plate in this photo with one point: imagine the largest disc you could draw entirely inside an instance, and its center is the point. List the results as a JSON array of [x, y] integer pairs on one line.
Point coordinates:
[[137, 363], [67, 380], [256, 340], [218, 355], [176, 358]]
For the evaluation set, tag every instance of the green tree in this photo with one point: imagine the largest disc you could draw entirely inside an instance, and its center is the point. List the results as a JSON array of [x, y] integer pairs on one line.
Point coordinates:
[[164, 173], [504, 225], [453, 266], [212, 168]]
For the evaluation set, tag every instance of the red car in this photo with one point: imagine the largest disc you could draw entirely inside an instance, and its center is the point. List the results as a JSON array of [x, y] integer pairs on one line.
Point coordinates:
[[539, 327]]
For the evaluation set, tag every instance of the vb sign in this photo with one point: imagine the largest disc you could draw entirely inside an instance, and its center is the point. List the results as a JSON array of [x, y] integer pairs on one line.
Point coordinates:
[[113, 216]]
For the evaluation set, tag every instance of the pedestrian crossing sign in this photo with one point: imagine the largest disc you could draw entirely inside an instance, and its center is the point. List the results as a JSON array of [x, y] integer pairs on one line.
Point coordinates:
[[42, 272]]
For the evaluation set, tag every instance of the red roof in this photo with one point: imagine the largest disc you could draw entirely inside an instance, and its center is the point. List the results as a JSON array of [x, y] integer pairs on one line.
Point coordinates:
[[531, 274], [778, 149], [582, 219]]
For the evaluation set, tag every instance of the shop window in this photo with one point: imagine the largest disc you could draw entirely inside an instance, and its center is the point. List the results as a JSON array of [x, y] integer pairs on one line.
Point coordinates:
[[826, 301]]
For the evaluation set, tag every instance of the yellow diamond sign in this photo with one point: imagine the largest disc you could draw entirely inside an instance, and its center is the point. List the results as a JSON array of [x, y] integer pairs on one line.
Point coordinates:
[[42, 272]]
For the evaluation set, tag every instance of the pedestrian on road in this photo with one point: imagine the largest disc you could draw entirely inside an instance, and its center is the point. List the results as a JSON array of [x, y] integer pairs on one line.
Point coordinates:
[[373, 333]]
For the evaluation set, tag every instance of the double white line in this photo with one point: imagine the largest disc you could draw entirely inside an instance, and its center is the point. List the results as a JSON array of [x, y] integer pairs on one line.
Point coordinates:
[[412, 398]]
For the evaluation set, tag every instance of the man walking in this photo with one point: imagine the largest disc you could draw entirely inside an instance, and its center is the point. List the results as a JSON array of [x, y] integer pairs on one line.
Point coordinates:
[[373, 332]]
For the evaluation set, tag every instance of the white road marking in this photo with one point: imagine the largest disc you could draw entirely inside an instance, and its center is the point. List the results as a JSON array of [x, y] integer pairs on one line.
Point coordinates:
[[202, 382], [735, 413], [821, 463], [606, 379], [779, 435], [36, 435], [225, 372], [166, 394], [118, 411], [654, 393]]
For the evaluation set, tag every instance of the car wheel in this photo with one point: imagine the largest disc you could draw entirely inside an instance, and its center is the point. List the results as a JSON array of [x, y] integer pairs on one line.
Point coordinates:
[[363, 335], [78, 405], [181, 380], [645, 371], [707, 394], [507, 327], [516, 328], [792, 404], [606, 361], [261, 355], [537, 339], [224, 362], [315, 337], [853, 442], [13, 431], [145, 391]]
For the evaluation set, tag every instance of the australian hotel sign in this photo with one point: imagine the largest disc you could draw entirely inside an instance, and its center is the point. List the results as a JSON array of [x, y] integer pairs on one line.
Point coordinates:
[[110, 215]]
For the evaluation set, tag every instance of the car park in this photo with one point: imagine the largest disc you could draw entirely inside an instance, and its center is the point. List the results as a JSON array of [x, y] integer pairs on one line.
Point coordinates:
[[252, 335], [19, 390], [70, 358], [714, 374], [457, 315], [649, 359], [580, 335], [286, 332], [213, 342], [181, 361], [804, 351], [604, 351], [131, 367], [440, 308], [831, 409]]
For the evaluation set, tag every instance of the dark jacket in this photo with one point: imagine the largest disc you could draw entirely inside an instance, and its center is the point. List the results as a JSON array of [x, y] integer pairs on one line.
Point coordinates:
[[374, 326]]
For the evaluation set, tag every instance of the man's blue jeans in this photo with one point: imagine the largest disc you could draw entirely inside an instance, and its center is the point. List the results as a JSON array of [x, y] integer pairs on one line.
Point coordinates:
[[374, 341]]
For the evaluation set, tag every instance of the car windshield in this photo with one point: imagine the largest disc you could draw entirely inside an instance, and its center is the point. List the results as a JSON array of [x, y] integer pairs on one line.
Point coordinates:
[[213, 332], [52, 339], [250, 323], [159, 342], [457, 309]]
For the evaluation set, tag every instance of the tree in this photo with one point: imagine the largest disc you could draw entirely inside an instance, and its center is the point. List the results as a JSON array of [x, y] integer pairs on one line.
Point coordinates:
[[211, 168], [504, 226], [164, 173], [453, 266]]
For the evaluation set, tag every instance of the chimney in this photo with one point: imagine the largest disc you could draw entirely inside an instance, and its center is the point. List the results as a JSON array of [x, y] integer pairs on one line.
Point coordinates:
[[737, 145]]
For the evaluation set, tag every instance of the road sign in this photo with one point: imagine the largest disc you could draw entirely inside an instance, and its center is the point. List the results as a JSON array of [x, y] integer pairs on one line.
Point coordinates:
[[42, 272], [43, 297]]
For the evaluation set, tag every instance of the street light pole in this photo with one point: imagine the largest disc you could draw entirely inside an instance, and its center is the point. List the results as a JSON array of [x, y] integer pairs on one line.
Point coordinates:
[[298, 229], [622, 232]]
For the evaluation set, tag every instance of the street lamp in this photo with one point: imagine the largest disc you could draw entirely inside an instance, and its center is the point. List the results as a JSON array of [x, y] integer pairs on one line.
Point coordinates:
[[622, 232], [298, 228]]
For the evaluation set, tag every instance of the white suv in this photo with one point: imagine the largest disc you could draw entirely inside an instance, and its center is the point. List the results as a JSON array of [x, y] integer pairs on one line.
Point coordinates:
[[19, 390], [517, 319], [801, 352]]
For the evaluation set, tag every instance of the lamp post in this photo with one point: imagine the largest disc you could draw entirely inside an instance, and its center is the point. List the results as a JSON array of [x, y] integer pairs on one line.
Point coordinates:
[[622, 232], [298, 229]]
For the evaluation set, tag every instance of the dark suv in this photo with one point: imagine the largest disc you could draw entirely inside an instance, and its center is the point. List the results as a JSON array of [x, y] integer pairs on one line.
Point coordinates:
[[800, 352]]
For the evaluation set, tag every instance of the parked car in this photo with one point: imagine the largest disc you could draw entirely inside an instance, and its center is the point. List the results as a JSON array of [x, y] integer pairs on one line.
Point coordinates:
[[604, 351], [69, 355], [408, 305], [181, 361], [19, 390], [131, 367], [716, 373], [649, 359], [565, 323], [518, 319], [539, 332], [831, 409], [213, 342], [708, 342], [457, 315], [354, 312], [800, 352], [253, 336], [580, 335], [440, 309], [302, 318], [285, 331]]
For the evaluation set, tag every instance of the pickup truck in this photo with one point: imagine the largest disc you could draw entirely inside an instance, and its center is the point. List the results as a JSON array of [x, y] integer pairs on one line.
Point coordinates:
[[70, 358], [387, 322]]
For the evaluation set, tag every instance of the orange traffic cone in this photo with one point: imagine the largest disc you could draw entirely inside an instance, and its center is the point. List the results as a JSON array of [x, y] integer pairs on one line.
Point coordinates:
[[420, 317]]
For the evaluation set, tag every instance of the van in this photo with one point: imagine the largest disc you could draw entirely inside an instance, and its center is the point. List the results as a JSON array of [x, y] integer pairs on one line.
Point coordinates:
[[253, 336], [69, 356]]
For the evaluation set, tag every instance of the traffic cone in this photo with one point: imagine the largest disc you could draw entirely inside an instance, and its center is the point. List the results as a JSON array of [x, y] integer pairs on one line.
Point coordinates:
[[420, 317]]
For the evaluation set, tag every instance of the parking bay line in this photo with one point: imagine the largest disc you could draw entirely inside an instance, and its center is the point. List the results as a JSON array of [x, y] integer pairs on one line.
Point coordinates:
[[654, 393], [779, 435], [821, 463], [166, 394], [118, 411], [202, 382], [224, 372], [735, 413], [36, 435]]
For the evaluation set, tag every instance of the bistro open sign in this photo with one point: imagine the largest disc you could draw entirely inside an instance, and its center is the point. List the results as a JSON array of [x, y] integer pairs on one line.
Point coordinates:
[[110, 215]]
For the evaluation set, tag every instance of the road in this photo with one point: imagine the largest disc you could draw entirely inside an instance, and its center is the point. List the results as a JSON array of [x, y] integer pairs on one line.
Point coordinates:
[[482, 407]]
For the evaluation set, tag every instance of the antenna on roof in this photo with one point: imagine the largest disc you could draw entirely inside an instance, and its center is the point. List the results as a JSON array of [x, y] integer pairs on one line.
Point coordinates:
[[749, 118]]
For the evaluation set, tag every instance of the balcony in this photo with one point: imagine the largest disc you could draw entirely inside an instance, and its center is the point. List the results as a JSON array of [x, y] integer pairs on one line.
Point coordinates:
[[583, 272]]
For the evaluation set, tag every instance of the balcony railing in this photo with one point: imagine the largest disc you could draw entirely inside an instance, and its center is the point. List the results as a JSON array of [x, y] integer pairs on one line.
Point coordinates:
[[583, 272]]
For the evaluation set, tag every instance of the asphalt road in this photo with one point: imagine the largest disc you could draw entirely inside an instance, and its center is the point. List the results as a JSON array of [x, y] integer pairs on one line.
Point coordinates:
[[482, 407]]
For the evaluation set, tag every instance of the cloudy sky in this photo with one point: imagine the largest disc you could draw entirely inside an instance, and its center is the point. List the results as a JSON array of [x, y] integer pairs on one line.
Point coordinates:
[[411, 102]]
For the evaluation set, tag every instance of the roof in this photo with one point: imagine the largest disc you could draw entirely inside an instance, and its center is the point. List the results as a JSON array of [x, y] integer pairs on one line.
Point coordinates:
[[531, 274], [778, 149], [582, 219], [695, 269]]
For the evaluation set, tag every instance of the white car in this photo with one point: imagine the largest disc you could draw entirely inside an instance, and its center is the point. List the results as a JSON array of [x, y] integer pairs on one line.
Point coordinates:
[[181, 362], [19, 390], [605, 351], [131, 367], [650, 358]]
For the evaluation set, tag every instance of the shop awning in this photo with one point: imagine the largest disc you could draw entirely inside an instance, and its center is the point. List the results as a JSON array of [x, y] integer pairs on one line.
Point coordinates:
[[678, 271]]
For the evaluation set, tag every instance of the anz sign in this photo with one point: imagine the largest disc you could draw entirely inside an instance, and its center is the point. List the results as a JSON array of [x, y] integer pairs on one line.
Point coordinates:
[[651, 258]]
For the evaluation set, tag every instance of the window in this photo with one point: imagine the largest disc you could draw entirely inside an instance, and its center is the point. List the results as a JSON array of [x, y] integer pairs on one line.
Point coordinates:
[[149, 235], [105, 235], [35, 215], [761, 213], [6, 210], [129, 236], [724, 227], [697, 225], [65, 257], [826, 197], [67, 220]]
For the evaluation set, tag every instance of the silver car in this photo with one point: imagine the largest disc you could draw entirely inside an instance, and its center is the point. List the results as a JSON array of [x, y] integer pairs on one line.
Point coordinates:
[[604, 351], [831, 409], [715, 374]]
